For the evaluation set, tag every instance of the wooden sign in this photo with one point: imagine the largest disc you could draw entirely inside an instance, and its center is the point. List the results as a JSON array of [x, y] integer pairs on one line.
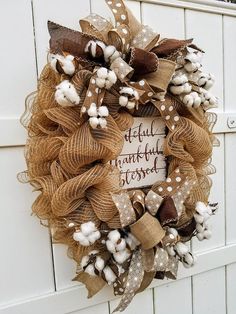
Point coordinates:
[[141, 161]]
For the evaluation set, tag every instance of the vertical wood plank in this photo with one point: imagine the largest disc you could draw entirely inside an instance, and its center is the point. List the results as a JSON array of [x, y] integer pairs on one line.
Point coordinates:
[[59, 11], [209, 292], [230, 288], [174, 297], [142, 303], [17, 58], [229, 27], [98, 309], [206, 29], [167, 21], [26, 264]]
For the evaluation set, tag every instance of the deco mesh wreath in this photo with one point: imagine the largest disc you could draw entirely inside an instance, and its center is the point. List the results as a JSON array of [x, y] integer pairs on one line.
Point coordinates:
[[95, 83]]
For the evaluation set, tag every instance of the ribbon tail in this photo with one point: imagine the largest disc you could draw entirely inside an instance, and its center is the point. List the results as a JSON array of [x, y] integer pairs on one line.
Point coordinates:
[[134, 280]]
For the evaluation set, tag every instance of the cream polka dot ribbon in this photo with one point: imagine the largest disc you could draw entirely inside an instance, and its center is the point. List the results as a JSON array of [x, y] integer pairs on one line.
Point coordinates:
[[128, 209]]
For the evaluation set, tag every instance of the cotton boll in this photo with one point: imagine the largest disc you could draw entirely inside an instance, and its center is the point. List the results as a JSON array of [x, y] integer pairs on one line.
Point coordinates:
[[109, 275], [112, 77], [92, 111], [173, 231], [79, 237], [102, 122], [192, 57], [179, 79], [130, 105], [132, 241], [207, 234], [115, 55], [69, 91], [170, 250], [201, 208], [94, 122], [199, 228], [68, 65], [114, 236], [90, 270], [99, 264], [88, 227], [84, 261], [103, 111], [127, 90], [177, 90], [61, 99], [109, 51], [187, 88], [102, 73], [123, 101], [93, 237], [181, 249], [111, 246], [197, 102], [198, 218], [121, 256], [200, 236], [188, 100], [189, 259], [100, 82], [121, 245], [108, 84]]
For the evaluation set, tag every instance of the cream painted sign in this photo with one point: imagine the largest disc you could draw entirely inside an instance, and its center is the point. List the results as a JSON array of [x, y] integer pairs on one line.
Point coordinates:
[[141, 161]]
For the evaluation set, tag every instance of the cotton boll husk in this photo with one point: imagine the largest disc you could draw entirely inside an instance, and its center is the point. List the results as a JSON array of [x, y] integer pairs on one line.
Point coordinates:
[[92, 111], [102, 73], [109, 275], [90, 270], [114, 236], [100, 82], [121, 245], [102, 122], [123, 101], [87, 228], [112, 77], [181, 249], [111, 246], [121, 256], [84, 261], [99, 264], [103, 111], [94, 122]]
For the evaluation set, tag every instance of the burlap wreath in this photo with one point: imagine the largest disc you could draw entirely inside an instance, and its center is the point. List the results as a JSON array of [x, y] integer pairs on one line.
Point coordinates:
[[95, 82]]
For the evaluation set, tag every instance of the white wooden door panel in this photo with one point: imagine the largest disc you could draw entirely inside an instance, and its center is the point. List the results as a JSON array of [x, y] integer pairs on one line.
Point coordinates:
[[167, 21], [17, 59], [62, 12], [26, 268], [174, 297], [209, 292], [230, 288], [98, 309], [142, 303]]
